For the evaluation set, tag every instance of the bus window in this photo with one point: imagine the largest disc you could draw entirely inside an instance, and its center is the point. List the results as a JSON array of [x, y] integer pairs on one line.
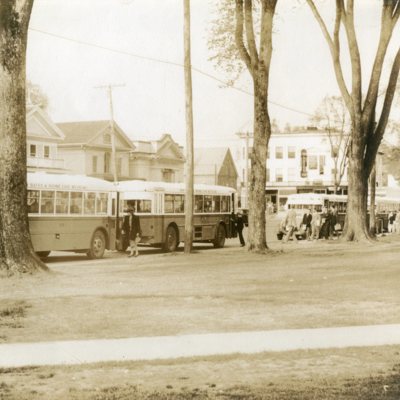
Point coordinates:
[[216, 203], [47, 202], [225, 203], [144, 206], [169, 203], [62, 202], [75, 206], [198, 203], [33, 201], [101, 203], [178, 203], [207, 203], [89, 203]]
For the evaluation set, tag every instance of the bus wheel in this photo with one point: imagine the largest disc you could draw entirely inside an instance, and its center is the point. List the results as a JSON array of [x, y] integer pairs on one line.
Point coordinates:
[[220, 237], [43, 254], [171, 242], [97, 246]]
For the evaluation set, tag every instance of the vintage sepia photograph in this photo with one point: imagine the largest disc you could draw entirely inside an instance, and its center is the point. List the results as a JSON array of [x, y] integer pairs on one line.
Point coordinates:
[[199, 199]]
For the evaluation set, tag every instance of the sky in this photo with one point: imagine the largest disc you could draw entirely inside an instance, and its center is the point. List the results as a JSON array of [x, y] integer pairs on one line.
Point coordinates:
[[151, 101]]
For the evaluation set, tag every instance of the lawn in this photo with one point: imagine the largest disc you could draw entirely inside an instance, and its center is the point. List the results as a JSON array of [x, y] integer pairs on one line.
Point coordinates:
[[304, 285]]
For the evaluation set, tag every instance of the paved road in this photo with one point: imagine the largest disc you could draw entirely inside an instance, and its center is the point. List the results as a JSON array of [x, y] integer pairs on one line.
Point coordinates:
[[168, 347]]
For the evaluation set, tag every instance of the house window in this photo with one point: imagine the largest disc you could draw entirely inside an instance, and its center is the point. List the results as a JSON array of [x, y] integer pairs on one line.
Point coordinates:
[[304, 163], [334, 151], [291, 152], [321, 165], [46, 151], [312, 162], [279, 152], [32, 150], [279, 175], [94, 164], [168, 175], [107, 162]]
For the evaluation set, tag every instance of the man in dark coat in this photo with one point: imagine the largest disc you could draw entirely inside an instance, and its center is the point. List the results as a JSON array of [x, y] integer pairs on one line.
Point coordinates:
[[307, 218], [131, 228], [239, 227]]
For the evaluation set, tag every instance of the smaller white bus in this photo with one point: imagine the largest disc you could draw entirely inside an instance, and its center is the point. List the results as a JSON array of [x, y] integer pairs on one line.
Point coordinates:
[[70, 213], [161, 209]]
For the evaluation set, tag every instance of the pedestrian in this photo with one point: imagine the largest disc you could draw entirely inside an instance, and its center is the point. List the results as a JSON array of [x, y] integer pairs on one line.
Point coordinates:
[[325, 223], [239, 227], [391, 219], [131, 228], [291, 225], [315, 224], [397, 222], [306, 223], [332, 221]]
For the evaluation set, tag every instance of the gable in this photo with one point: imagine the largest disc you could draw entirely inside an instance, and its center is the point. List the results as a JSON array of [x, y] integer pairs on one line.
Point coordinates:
[[170, 152], [103, 138], [39, 125]]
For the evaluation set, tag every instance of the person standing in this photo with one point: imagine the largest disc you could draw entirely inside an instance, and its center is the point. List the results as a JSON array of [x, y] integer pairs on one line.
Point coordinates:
[[291, 225], [332, 221], [391, 219], [315, 224], [239, 227], [131, 228], [307, 218]]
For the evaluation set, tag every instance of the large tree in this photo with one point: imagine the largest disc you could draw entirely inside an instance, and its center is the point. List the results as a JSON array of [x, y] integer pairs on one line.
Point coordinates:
[[16, 252], [244, 31], [368, 122]]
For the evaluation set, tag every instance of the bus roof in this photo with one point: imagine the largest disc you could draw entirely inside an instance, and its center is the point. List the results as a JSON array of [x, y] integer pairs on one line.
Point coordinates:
[[314, 198], [44, 180], [147, 186]]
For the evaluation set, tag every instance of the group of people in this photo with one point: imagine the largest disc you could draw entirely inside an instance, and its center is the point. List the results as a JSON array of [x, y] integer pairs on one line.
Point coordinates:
[[314, 225], [394, 222]]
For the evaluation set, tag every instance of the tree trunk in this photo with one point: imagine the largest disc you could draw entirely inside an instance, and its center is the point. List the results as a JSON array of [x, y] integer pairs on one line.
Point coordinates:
[[372, 214], [355, 227], [16, 251], [258, 176], [189, 132]]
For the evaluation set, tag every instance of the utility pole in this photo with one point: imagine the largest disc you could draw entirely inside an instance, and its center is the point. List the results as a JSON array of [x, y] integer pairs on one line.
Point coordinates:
[[112, 127], [247, 136], [189, 130]]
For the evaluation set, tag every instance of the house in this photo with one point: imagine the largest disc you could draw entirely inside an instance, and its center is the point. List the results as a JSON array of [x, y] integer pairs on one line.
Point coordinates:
[[158, 160], [87, 149], [215, 166], [43, 139]]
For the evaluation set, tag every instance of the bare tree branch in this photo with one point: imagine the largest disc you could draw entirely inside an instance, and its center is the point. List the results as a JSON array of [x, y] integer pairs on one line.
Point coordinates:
[[251, 42], [387, 104], [239, 36], [267, 14], [334, 51], [384, 39]]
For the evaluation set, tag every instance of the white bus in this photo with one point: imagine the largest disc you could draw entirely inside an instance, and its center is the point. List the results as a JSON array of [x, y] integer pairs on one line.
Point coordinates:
[[303, 201], [161, 208], [70, 213]]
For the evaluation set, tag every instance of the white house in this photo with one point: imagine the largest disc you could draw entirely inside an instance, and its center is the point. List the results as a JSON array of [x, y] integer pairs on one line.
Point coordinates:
[[306, 160], [43, 138]]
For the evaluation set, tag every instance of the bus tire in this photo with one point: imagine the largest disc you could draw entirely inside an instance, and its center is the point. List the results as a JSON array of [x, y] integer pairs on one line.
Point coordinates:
[[171, 239], [220, 237], [97, 245], [43, 254]]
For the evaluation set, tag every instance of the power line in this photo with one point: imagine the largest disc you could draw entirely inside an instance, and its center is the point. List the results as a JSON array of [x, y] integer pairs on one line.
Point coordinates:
[[167, 62]]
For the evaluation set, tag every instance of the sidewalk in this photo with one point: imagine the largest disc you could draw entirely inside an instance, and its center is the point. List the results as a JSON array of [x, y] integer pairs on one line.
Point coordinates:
[[167, 347]]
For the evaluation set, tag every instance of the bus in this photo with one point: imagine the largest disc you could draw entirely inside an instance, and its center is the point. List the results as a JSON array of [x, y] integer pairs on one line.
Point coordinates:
[[71, 213], [304, 201], [161, 208]]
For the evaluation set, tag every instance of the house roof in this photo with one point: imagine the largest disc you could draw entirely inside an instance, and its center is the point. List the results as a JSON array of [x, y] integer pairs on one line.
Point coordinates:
[[208, 161], [82, 132]]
